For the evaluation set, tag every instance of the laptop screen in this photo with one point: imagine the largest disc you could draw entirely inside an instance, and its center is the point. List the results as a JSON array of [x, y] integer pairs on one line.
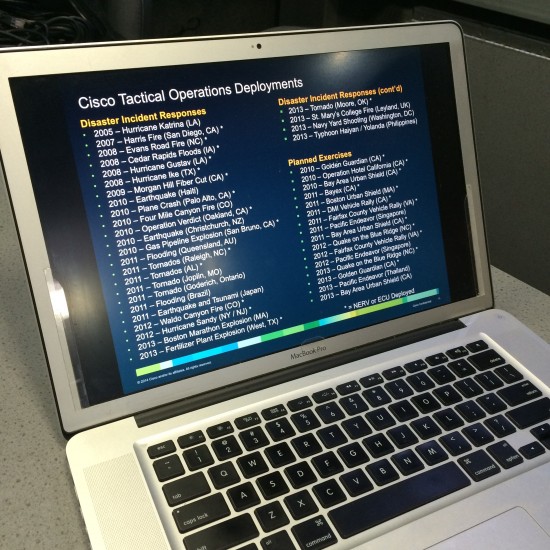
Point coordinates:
[[203, 215]]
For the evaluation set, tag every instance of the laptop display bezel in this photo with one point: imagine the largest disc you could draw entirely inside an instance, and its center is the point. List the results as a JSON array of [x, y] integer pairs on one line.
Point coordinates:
[[21, 63]]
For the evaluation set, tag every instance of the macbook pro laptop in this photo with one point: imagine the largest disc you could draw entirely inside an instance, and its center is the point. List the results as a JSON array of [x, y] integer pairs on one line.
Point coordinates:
[[259, 268]]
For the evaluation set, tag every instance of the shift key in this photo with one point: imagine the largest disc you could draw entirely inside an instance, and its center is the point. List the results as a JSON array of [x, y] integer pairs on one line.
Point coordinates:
[[530, 414], [224, 535]]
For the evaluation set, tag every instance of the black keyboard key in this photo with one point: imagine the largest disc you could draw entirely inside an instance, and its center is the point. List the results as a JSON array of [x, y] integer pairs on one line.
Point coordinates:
[[301, 504], [393, 373], [280, 429], [448, 419], [327, 464], [407, 462], [380, 419], [378, 445], [392, 501], [314, 534], [243, 496], [436, 359], [272, 485], [168, 467], [300, 403], [377, 396], [431, 452], [426, 427], [306, 445], [382, 472], [300, 475], [425, 403], [479, 465], [500, 426], [447, 395], [457, 353], [455, 443], [348, 388], [441, 375], [356, 427], [403, 411], [247, 421], [371, 380], [188, 440], [226, 534], [531, 413], [532, 450], [519, 393], [201, 512], [470, 411], [356, 483], [420, 381], [329, 493], [280, 455], [509, 374], [353, 404], [504, 454], [253, 438], [161, 449], [271, 516], [353, 454], [542, 433], [198, 457], [280, 540], [486, 359], [477, 346], [489, 380], [478, 434], [332, 436], [468, 388], [399, 389], [461, 368], [415, 366], [492, 403], [219, 430], [402, 436], [330, 412], [274, 412], [324, 395], [252, 465], [185, 489], [227, 447], [224, 475], [305, 420]]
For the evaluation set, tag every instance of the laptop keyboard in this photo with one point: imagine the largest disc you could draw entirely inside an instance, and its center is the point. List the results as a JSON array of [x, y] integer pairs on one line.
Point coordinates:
[[311, 471]]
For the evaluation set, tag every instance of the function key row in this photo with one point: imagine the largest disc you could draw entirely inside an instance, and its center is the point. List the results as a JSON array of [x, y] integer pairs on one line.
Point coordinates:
[[166, 447]]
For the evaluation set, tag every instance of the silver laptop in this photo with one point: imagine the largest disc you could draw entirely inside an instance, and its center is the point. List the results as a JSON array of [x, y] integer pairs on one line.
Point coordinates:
[[261, 277]]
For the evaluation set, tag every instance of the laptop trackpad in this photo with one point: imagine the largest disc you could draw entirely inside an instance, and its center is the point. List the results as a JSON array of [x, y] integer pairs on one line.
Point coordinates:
[[508, 531]]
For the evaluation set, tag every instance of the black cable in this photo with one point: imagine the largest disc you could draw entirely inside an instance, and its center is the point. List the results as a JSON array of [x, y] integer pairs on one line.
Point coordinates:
[[92, 12], [25, 23]]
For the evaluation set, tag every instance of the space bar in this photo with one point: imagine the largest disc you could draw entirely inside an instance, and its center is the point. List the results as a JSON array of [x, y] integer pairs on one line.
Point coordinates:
[[395, 500]]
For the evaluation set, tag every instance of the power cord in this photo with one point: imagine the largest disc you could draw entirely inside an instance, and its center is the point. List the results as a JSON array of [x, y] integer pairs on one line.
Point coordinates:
[[25, 23]]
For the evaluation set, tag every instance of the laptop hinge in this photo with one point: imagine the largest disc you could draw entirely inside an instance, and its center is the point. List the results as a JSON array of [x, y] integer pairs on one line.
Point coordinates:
[[242, 388]]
